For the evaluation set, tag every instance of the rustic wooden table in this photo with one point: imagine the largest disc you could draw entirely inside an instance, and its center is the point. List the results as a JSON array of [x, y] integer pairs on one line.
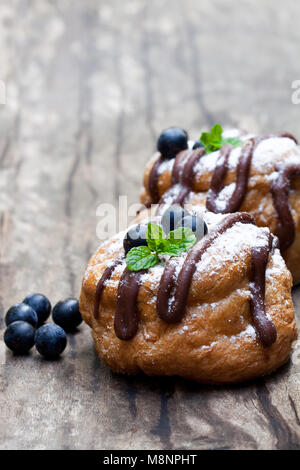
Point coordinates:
[[89, 85]]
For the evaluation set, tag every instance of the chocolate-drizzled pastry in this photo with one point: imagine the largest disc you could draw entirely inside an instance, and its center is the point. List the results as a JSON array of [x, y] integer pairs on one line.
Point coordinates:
[[221, 312], [261, 177]]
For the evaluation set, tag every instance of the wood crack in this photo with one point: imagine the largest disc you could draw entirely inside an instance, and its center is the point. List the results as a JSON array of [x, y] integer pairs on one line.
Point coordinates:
[[286, 438]]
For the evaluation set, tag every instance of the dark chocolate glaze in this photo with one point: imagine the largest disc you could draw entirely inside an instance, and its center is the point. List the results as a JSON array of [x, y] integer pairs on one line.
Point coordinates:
[[179, 165], [165, 287], [188, 173], [100, 286], [263, 325], [173, 313], [182, 177], [175, 195], [153, 181], [127, 314], [288, 136], [280, 191], [242, 172]]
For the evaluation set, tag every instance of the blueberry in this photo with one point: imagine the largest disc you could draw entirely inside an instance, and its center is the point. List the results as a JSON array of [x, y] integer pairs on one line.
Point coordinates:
[[197, 145], [21, 312], [197, 225], [172, 217], [136, 236], [171, 141], [19, 337], [67, 315], [50, 340], [40, 304]]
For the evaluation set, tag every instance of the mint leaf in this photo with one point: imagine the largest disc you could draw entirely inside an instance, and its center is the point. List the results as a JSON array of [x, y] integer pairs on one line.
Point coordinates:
[[205, 139], [144, 257], [140, 257], [213, 140], [216, 133], [233, 141], [182, 237], [155, 236], [170, 249]]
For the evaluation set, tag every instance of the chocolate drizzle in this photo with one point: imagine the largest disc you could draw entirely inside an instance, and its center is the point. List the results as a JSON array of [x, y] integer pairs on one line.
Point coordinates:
[[182, 176], [101, 283], [127, 315], [153, 180], [242, 172], [280, 191], [264, 326], [166, 285]]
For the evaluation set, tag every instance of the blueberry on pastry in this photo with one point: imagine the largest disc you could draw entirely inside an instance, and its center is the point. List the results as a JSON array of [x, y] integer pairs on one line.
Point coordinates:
[[215, 310]]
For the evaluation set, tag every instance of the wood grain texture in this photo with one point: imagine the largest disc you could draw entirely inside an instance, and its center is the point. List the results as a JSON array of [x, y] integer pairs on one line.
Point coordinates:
[[89, 86]]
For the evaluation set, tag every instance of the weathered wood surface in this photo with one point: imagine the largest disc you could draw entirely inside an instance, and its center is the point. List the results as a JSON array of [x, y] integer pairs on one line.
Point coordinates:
[[89, 86]]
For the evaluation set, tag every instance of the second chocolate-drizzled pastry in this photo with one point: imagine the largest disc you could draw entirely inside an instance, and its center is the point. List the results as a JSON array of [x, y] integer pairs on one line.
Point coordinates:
[[256, 174], [213, 305]]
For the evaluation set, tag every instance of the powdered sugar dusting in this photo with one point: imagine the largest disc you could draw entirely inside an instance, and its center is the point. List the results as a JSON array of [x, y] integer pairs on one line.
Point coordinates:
[[116, 274], [172, 194], [166, 166], [232, 245], [278, 265], [267, 154], [249, 332], [224, 196], [153, 276], [271, 150]]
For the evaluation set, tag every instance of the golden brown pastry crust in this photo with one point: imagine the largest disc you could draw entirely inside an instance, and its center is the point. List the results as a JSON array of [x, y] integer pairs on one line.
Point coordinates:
[[258, 200], [215, 342]]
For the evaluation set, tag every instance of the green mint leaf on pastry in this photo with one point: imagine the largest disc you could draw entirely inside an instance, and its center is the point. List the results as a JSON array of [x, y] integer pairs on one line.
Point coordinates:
[[169, 249], [155, 236], [182, 237], [144, 257], [178, 241], [213, 140], [233, 141], [141, 257]]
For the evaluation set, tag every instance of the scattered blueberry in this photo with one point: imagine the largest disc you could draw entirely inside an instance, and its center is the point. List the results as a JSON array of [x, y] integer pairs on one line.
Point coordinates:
[[136, 236], [40, 304], [172, 217], [21, 312], [197, 225], [67, 315], [171, 141], [19, 337], [50, 340], [197, 145]]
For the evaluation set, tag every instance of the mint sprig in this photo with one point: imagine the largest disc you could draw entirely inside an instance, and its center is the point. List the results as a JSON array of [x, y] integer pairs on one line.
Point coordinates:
[[213, 140], [141, 257], [144, 257]]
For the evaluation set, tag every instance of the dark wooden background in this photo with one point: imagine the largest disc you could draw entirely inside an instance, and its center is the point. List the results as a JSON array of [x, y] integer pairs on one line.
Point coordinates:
[[90, 84]]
